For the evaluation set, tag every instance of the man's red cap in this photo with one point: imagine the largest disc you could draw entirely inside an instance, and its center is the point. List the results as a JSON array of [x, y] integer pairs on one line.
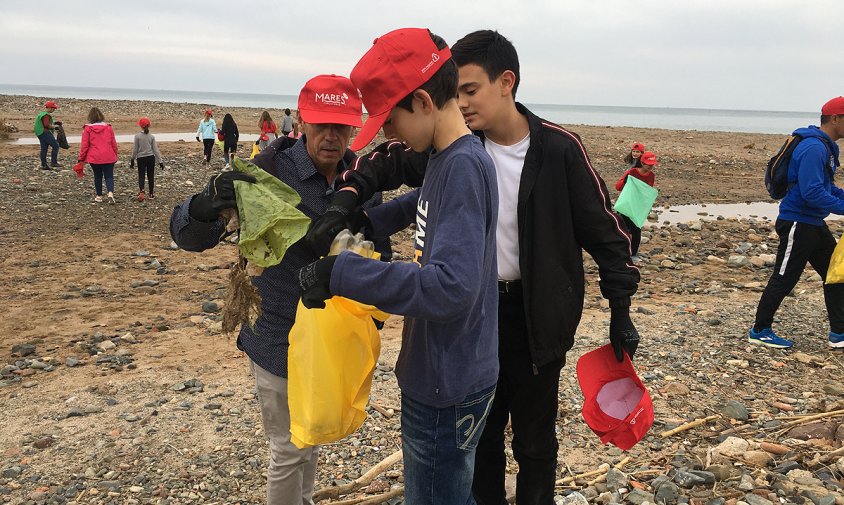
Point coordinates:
[[649, 158], [51, 104], [833, 107], [143, 122], [398, 63], [330, 99], [616, 404], [638, 146]]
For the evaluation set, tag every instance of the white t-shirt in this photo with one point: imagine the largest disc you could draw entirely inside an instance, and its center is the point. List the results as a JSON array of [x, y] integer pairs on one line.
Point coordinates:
[[509, 161]]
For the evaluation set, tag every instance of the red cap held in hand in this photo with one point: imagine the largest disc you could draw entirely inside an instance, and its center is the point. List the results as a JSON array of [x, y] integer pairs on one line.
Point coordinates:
[[616, 404], [398, 63], [330, 99]]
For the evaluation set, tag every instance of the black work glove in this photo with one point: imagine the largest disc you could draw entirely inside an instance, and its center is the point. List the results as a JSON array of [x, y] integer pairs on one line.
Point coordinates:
[[132, 164], [338, 216], [314, 282], [623, 335], [197, 139], [161, 166], [218, 195]]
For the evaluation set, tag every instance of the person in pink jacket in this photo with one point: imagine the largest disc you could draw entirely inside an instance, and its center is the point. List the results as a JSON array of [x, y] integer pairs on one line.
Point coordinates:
[[99, 149]]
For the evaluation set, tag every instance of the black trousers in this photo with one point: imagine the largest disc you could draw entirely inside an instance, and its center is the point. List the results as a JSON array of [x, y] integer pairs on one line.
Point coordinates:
[[208, 144], [635, 234], [529, 401], [799, 243], [146, 168]]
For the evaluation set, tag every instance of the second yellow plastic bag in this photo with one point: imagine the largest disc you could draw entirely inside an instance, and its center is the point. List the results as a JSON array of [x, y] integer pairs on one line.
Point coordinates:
[[835, 273]]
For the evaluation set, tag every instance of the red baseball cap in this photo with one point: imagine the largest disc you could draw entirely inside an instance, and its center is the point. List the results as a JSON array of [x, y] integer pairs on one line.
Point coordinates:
[[638, 146], [330, 99], [209, 112], [649, 158], [616, 404], [143, 122], [398, 63], [51, 104], [833, 107]]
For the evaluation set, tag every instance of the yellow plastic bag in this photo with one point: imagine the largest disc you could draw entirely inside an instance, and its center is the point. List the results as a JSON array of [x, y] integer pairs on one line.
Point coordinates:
[[255, 151], [333, 352], [835, 273]]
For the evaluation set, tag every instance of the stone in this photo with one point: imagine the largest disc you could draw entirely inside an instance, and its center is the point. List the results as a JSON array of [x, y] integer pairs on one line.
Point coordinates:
[[755, 499], [757, 458], [75, 412], [738, 261], [834, 389], [106, 345], [708, 477], [675, 388], [211, 307], [813, 431], [71, 362], [721, 472], [735, 410], [574, 498], [687, 479], [616, 479], [12, 472], [639, 496], [746, 483], [667, 494], [23, 350]]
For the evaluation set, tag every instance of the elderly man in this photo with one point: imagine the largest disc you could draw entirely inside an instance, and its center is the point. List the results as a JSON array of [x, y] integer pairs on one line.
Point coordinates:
[[329, 110]]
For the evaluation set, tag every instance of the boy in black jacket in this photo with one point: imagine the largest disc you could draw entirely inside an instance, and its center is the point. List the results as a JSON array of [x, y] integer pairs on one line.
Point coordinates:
[[553, 206]]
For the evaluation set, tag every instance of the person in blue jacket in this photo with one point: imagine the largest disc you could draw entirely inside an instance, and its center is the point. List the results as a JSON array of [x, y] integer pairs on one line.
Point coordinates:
[[804, 237], [207, 130]]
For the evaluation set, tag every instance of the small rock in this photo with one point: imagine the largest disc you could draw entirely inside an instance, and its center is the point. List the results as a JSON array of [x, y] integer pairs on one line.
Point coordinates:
[[616, 479], [23, 350], [639, 496], [71, 362], [755, 499], [687, 479], [746, 483], [667, 494], [574, 498], [106, 345], [211, 307], [735, 410]]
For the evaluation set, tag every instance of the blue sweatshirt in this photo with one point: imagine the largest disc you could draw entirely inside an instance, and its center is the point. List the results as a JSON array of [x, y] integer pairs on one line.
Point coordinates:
[[449, 293], [813, 196], [207, 129]]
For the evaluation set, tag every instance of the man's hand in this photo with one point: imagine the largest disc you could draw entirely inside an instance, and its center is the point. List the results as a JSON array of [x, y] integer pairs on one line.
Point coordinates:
[[218, 195], [161, 166], [197, 139], [132, 164], [623, 335], [314, 282], [338, 216]]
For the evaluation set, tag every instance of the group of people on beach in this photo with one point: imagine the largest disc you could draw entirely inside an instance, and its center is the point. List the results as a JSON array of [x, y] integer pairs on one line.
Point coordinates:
[[504, 205], [228, 134]]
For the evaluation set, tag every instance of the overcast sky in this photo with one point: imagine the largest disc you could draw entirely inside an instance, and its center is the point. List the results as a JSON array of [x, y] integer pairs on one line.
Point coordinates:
[[731, 54]]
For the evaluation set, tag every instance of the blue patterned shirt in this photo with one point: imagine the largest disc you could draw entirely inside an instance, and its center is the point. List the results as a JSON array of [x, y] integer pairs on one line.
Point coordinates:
[[267, 343]]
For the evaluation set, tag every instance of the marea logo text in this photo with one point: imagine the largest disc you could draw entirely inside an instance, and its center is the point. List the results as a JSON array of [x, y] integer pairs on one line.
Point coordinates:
[[331, 98], [434, 58]]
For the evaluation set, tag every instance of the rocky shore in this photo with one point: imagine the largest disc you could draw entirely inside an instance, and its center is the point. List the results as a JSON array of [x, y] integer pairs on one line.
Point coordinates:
[[118, 386]]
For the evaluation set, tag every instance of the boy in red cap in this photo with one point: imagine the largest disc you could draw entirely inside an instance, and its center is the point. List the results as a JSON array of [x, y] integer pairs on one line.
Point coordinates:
[[804, 236], [553, 206], [44, 131], [448, 363]]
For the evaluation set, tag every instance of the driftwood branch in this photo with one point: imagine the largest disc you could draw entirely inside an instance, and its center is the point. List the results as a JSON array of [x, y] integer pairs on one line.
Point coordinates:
[[335, 492], [688, 426], [374, 499], [815, 417], [601, 472]]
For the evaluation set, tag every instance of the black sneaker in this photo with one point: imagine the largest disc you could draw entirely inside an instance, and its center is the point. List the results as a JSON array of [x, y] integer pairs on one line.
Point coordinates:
[[56, 165], [45, 167]]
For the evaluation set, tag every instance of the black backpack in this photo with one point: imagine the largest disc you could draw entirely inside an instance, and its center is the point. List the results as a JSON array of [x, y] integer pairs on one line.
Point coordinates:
[[776, 173]]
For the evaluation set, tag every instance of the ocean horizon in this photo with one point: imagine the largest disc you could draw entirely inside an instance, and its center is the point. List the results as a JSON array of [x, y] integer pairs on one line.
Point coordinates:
[[671, 118]]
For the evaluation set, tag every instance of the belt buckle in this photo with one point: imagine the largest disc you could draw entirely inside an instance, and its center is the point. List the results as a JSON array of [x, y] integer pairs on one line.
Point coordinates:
[[507, 286]]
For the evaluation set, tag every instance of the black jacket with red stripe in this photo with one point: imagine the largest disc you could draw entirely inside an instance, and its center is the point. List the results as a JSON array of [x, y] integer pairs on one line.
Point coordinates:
[[563, 209]]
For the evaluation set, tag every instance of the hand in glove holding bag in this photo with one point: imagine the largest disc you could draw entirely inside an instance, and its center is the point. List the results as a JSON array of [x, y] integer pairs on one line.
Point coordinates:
[[340, 215], [218, 195], [623, 335], [315, 282]]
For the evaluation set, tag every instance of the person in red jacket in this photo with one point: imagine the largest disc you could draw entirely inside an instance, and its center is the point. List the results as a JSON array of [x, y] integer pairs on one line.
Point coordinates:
[[269, 130], [645, 174], [99, 149]]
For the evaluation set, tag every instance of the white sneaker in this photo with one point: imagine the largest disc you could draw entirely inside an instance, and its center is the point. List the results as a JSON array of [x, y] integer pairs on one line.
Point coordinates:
[[98, 199], [111, 198]]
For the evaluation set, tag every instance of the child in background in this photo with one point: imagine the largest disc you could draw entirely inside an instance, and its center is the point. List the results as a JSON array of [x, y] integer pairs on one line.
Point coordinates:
[[269, 130], [208, 131], [644, 173], [145, 151], [230, 136], [99, 149], [287, 123], [634, 157], [448, 363]]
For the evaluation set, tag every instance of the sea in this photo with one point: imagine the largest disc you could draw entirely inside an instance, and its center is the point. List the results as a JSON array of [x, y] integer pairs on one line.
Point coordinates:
[[750, 121]]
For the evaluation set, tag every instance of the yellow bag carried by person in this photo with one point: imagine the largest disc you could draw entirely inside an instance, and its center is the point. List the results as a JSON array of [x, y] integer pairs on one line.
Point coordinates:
[[835, 273], [255, 150], [333, 353]]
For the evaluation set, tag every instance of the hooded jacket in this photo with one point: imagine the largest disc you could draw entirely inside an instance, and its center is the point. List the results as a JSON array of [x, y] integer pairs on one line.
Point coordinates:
[[812, 195], [99, 147]]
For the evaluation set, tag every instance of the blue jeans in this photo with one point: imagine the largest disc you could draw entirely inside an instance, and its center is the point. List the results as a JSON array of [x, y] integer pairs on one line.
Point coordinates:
[[439, 448], [46, 140], [105, 170]]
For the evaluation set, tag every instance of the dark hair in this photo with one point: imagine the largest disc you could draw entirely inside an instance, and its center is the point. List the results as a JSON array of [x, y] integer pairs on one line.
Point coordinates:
[[227, 120], [629, 159], [826, 118], [442, 86], [491, 51], [265, 116], [95, 115], [286, 112]]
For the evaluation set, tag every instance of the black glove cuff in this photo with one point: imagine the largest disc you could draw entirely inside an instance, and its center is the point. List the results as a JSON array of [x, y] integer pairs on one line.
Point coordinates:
[[620, 303], [344, 202]]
